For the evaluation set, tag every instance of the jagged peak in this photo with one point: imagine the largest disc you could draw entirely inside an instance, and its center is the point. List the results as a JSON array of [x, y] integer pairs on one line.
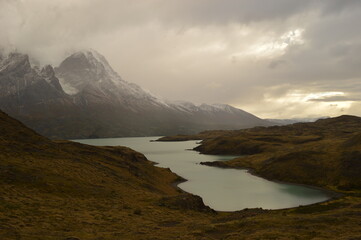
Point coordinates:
[[88, 68], [17, 56], [15, 60], [87, 54], [47, 71], [93, 57], [89, 62], [91, 53]]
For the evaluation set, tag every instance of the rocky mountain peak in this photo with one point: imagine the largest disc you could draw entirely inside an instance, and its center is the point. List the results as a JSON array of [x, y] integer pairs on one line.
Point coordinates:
[[89, 75], [87, 62], [15, 62], [86, 68], [91, 99], [47, 71]]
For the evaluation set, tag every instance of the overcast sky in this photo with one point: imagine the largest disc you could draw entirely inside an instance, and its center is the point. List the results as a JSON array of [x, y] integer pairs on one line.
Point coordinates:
[[274, 58]]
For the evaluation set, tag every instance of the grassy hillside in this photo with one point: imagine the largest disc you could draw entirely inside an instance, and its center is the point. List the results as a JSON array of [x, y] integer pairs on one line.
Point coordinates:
[[325, 153], [60, 189]]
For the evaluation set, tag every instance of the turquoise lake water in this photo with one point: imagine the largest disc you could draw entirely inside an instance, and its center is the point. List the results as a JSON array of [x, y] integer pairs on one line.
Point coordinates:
[[220, 189]]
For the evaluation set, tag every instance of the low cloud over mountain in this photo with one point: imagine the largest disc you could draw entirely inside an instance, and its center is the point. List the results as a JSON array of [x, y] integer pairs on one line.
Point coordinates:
[[84, 97]]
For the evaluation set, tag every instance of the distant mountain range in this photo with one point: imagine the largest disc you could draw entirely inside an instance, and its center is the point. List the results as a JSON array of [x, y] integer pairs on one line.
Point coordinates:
[[85, 98], [282, 122]]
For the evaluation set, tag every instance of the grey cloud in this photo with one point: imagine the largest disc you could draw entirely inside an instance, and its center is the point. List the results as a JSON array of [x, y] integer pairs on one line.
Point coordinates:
[[277, 63], [335, 99], [336, 6], [220, 12], [179, 48]]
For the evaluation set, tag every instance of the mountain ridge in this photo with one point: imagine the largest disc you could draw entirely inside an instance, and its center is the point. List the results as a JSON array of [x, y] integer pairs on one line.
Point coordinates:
[[85, 98]]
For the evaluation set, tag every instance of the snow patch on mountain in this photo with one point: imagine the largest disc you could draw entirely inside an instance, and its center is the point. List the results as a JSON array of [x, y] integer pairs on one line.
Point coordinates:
[[68, 89], [216, 108], [85, 97], [183, 106], [88, 69]]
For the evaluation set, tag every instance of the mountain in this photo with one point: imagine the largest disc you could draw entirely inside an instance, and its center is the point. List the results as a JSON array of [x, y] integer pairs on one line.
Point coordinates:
[[89, 76], [85, 98], [281, 122]]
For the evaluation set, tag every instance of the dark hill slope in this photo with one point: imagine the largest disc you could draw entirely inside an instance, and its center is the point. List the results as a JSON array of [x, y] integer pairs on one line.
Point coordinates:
[[53, 190]]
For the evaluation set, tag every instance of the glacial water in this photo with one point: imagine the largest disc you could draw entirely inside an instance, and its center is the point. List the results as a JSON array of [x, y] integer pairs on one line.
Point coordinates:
[[220, 189]]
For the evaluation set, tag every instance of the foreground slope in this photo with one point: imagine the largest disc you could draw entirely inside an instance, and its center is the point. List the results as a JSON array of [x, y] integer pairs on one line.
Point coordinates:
[[60, 189], [54, 190]]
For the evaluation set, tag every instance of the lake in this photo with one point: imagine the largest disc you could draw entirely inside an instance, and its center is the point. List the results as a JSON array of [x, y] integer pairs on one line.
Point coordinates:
[[220, 189]]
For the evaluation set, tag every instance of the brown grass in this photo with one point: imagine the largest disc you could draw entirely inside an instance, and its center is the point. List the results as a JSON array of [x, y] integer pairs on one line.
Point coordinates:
[[60, 189]]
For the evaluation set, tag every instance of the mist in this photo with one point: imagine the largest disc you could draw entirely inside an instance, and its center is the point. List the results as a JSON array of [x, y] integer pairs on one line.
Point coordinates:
[[277, 59]]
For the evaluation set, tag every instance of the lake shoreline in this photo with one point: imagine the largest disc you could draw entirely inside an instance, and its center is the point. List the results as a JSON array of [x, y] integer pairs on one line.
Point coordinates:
[[220, 164], [234, 187], [333, 194]]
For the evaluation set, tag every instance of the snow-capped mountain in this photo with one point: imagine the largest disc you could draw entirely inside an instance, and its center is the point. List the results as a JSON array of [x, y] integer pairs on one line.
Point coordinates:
[[22, 85], [88, 74], [84, 97]]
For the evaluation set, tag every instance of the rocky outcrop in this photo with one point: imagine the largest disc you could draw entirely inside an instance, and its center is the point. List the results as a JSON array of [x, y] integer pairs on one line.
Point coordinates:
[[185, 202]]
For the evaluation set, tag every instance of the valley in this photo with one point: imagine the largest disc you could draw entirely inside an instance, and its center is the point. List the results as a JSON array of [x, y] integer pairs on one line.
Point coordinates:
[[61, 189], [184, 120]]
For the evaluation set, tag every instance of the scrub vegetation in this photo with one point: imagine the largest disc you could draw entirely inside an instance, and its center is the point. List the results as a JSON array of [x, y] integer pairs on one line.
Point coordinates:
[[64, 190]]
